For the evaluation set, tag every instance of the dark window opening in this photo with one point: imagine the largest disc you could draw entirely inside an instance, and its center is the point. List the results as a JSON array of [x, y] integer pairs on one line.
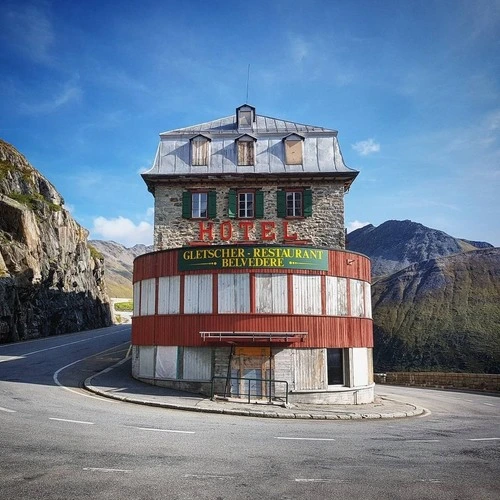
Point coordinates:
[[335, 366]]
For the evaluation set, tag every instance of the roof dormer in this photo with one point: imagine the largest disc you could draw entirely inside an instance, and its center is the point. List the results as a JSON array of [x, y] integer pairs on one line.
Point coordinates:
[[245, 117]]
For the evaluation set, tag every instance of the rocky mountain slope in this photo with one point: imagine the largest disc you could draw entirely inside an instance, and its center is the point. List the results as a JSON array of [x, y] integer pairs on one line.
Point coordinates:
[[441, 314], [51, 281], [118, 265], [396, 244]]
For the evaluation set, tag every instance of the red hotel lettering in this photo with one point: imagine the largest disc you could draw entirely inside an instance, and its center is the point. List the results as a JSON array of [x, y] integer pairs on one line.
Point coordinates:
[[246, 226], [267, 229], [208, 231], [287, 236], [226, 234]]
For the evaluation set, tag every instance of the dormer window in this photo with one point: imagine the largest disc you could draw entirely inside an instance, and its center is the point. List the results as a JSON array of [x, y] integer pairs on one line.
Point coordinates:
[[246, 150], [200, 146], [245, 116], [293, 149]]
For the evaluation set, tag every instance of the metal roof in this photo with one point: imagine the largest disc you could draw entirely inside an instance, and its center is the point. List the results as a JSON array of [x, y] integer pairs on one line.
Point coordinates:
[[262, 124]]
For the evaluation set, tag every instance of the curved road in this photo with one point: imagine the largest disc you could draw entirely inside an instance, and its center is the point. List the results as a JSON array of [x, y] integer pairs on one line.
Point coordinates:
[[60, 442]]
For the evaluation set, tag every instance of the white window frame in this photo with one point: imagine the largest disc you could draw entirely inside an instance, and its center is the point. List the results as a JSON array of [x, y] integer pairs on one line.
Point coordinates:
[[295, 206], [197, 211], [247, 198]]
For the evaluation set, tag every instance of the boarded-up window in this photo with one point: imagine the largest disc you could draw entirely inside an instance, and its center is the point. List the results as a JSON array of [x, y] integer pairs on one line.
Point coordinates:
[[197, 363], [148, 297], [199, 151], [271, 294], [245, 118], [137, 297], [166, 362], [246, 149], [309, 370], [234, 293], [293, 151], [306, 294], [336, 296], [357, 298], [198, 294], [168, 295]]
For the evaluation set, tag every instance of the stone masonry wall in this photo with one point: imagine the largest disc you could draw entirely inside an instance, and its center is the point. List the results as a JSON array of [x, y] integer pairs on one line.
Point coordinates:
[[475, 381], [324, 228]]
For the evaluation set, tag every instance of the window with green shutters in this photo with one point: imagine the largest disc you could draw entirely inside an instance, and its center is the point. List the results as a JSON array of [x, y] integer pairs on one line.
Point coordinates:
[[245, 204], [294, 203], [199, 204]]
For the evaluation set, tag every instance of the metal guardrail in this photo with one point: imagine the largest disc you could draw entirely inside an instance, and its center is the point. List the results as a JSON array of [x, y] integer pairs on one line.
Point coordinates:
[[249, 393]]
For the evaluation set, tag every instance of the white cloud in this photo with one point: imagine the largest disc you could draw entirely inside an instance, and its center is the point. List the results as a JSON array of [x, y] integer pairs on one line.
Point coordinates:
[[69, 93], [122, 230], [356, 224], [365, 148]]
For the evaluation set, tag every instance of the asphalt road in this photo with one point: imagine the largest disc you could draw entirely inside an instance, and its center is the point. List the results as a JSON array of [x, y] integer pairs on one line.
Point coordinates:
[[59, 442]]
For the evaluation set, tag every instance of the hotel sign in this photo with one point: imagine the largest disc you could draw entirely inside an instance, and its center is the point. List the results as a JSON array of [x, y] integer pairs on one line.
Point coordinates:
[[242, 257]]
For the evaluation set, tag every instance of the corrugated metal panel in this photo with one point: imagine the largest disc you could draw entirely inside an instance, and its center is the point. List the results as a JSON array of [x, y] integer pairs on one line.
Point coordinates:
[[341, 263], [166, 362], [143, 330], [148, 296], [368, 300], [234, 293], [197, 363], [357, 298], [349, 265], [198, 294], [336, 296], [323, 331], [137, 297], [271, 293], [307, 294], [169, 295], [309, 369]]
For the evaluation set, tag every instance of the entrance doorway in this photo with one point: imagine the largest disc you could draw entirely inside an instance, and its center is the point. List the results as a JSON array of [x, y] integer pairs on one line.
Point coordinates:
[[257, 364]]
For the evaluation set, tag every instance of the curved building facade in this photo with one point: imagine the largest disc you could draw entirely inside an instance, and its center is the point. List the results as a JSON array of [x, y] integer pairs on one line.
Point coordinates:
[[250, 289]]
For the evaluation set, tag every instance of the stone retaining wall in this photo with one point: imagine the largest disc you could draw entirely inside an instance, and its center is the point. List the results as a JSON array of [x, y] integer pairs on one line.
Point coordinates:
[[475, 381]]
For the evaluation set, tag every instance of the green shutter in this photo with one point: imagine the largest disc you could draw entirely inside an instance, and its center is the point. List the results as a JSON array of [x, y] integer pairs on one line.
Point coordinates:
[[231, 204], [212, 204], [259, 204], [307, 203], [186, 205], [281, 203]]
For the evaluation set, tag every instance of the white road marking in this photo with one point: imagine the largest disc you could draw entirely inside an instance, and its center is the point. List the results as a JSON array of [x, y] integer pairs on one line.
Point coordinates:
[[100, 469], [485, 439], [69, 343], [3, 359], [306, 480], [7, 410], [204, 476], [71, 421], [164, 430], [430, 481], [56, 379], [422, 441], [489, 404], [303, 439]]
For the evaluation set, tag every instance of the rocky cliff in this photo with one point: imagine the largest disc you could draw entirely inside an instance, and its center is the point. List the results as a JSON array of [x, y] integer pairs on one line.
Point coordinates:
[[441, 314], [51, 281], [396, 244], [119, 264]]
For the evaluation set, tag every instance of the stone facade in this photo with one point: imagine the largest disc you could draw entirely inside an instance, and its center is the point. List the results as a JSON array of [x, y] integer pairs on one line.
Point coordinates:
[[324, 228]]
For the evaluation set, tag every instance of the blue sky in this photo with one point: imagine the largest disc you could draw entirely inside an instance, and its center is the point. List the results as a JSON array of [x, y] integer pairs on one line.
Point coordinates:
[[413, 87]]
